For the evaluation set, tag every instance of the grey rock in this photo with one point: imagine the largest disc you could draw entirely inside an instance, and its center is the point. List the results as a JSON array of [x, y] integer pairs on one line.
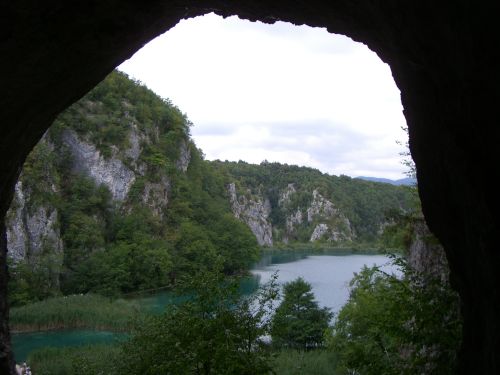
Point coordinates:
[[135, 140], [320, 207], [294, 220], [319, 231], [30, 232], [184, 156], [17, 239], [253, 212], [285, 196], [425, 254], [155, 195], [110, 172], [339, 227]]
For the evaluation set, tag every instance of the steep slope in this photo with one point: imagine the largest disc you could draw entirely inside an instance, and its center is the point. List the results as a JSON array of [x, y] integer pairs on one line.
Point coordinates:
[[117, 198], [283, 203]]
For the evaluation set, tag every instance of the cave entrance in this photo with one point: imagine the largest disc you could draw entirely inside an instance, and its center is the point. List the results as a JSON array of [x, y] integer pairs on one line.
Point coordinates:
[[442, 60], [315, 99]]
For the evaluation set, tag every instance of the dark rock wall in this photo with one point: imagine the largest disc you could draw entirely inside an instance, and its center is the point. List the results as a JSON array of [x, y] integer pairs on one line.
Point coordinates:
[[443, 58], [426, 255], [6, 364]]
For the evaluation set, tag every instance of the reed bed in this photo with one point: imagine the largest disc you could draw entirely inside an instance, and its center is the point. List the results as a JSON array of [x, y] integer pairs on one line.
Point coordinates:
[[82, 360], [76, 311]]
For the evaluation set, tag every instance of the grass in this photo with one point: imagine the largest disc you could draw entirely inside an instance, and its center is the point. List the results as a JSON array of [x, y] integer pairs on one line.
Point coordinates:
[[76, 311], [81, 360], [314, 362]]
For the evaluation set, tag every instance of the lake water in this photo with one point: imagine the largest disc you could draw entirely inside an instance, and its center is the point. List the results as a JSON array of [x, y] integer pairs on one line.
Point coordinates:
[[328, 273]]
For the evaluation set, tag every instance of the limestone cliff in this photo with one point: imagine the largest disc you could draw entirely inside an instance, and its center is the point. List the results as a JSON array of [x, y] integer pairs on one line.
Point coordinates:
[[320, 220], [253, 211], [110, 172], [132, 159], [301, 205], [31, 231], [333, 224]]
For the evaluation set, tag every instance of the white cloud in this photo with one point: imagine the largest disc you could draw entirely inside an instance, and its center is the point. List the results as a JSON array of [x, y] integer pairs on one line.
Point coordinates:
[[278, 92]]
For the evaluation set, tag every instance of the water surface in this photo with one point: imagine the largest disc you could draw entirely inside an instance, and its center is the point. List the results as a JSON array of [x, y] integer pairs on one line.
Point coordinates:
[[328, 272]]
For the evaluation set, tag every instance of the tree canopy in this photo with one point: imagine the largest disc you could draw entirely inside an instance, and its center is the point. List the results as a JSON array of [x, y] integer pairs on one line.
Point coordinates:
[[299, 323]]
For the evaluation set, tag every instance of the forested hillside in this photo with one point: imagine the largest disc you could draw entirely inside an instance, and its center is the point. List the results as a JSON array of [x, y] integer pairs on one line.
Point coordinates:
[[117, 198], [300, 204]]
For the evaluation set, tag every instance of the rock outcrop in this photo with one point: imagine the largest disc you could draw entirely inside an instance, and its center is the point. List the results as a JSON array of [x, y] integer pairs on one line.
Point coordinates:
[[255, 213], [111, 172], [425, 254], [320, 220], [286, 195], [335, 225], [319, 232], [155, 195], [184, 156], [31, 231], [293, 221]]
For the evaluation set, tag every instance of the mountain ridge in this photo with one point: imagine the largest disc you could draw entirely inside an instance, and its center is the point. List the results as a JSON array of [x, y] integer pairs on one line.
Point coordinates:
[[407, 181]]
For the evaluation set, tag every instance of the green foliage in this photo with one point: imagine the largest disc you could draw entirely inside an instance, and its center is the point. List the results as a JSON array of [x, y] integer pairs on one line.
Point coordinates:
[[83, 360], [39, 177], [312, 362], [364, 203], [392, 325], [299, 323], [34, 279], [114, 247], [76, 311], [235, 244], [104, 116], [214, 332]]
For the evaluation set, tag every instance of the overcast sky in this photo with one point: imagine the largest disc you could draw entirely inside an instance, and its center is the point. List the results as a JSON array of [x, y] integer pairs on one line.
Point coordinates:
[[295, 95]]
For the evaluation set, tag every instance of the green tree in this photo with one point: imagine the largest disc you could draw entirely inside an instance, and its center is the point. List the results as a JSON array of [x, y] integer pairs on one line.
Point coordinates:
[[299, 322], [213, 332], [390, 325], [35, 279]]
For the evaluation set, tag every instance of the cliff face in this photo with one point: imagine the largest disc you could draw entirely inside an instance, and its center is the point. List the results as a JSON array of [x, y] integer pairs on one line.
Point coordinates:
[[334, 224], [254, 212], [130, 165], [31, 231], [290, 204], [426, 255], [88, 160], [317, 220]]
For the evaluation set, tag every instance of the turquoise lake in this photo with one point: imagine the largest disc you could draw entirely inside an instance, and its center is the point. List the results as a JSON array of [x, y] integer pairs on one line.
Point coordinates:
[[328, 272]]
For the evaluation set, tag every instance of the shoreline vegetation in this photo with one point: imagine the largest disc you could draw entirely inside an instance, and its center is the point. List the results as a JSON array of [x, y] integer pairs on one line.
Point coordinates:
[[100, 358], [97, 312], [88, 311], [346, 248]]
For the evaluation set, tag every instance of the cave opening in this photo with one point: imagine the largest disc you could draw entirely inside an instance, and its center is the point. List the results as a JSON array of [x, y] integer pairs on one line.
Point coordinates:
[[443, 62], [289, 125]]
